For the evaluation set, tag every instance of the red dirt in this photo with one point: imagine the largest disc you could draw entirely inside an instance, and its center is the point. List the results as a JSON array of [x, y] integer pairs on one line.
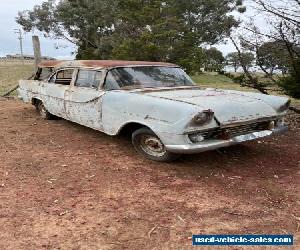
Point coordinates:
[[64, 186]]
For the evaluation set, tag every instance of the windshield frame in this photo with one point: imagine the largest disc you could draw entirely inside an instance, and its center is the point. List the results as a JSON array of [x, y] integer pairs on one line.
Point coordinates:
[[193, 84]]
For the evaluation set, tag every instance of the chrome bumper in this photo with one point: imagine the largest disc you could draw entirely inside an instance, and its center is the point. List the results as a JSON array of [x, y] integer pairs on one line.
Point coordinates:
[[215, 144]]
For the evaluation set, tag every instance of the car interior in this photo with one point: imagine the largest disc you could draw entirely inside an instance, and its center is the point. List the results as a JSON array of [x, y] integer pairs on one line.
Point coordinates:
[[88, 79], [63, 77]]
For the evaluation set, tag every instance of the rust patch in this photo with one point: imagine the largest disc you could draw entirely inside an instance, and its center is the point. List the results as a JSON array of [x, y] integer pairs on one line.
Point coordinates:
[[147, 117], [100, 63]]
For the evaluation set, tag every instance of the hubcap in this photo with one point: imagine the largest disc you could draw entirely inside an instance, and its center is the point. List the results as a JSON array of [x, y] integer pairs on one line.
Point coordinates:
[[152, 145], [43, 111]]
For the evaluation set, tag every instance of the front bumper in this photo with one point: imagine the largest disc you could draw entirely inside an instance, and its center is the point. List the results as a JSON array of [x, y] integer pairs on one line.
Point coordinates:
[[215, 144]]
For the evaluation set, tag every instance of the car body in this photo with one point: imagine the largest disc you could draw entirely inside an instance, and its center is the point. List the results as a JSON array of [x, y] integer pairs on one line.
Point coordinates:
[[158, 103]]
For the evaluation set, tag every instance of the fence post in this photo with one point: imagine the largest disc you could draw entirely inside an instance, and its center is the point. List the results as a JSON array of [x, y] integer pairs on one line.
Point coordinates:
[[36, 51]]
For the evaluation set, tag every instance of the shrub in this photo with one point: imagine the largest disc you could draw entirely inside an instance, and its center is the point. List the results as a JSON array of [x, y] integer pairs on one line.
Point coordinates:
[[291, 83], [236, 78]]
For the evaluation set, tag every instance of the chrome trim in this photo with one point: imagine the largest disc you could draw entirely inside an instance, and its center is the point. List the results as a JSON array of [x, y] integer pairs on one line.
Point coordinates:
[[215, 144]]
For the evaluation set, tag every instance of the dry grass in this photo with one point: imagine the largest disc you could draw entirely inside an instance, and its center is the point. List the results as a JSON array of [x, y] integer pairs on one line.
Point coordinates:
[[11, 72]]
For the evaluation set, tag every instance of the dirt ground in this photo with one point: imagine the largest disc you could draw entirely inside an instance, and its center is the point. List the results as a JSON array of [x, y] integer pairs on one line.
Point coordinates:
[[64, 186]]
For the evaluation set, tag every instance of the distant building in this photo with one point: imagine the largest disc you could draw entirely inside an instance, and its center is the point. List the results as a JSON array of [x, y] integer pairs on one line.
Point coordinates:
[[27, 57]]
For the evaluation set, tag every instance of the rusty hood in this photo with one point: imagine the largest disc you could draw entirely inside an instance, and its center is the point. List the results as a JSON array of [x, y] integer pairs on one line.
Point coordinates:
[[229, 106]]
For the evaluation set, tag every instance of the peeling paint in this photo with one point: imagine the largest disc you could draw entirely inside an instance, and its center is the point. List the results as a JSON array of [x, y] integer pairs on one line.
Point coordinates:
[[147, 117]]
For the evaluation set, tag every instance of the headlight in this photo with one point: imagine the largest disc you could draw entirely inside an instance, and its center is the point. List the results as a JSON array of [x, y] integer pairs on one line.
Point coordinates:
[[280, 122], [271, 125], [284, 107], [203, 117], [197, 137]]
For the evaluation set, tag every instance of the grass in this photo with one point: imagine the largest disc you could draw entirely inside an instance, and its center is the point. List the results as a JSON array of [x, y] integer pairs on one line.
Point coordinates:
[[11, 72], [211, 78], [214, 80]]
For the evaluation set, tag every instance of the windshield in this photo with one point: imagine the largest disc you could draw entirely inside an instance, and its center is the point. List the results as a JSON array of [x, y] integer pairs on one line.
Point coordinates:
[[146, 77]]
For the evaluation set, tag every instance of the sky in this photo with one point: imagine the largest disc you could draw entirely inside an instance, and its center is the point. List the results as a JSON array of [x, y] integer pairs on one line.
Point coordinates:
[[9, 44]]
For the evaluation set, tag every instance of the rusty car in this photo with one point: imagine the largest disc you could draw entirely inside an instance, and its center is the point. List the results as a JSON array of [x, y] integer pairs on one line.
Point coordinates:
[[164, 111]]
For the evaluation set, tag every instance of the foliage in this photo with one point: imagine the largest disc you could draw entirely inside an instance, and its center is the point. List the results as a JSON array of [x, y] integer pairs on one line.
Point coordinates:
[[213, 60], [160, 30], [233, 59], [273, 55], [247, 59], [291, 83], [276, 48], [240, 78]]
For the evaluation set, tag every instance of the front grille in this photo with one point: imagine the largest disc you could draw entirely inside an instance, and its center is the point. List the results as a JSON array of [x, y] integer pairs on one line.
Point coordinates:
[[227, 133]]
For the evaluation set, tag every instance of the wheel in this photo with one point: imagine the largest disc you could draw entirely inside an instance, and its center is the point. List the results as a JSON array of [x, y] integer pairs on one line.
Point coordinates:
[[43, 111], [149, 145]]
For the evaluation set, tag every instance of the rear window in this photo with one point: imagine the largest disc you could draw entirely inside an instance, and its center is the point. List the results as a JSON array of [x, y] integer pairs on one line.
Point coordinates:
[[88, 79], [43, 74], [65, 74]]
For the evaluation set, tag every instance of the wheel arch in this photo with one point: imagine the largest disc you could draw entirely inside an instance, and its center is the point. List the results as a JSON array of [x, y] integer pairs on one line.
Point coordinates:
[[35, 100], [130, 127]]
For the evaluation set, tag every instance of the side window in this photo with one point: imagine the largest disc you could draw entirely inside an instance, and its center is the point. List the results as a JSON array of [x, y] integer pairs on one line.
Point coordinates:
[[88, 79], [43, 74], [111, 82], [46, 72], [98, 78], [63, 77], [52, 79]]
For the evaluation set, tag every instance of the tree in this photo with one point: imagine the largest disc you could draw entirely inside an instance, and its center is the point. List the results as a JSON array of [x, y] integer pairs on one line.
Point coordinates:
[[273, 55], [284, 36], [160, 30], [214, 60], [233, 59], [248, 79], [247, 59]]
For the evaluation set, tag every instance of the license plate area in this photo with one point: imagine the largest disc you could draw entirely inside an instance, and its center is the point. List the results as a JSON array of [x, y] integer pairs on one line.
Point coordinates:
[[252, 136]]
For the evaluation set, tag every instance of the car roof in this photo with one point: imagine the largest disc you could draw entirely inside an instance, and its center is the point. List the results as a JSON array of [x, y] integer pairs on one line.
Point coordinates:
[[100, 64]]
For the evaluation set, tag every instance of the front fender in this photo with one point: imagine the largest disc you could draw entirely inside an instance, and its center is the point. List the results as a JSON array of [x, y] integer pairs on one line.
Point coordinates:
[[162, 116]]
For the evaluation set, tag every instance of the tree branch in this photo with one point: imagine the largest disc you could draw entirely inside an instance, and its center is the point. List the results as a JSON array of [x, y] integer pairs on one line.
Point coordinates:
[[252, 79], [270, 9]]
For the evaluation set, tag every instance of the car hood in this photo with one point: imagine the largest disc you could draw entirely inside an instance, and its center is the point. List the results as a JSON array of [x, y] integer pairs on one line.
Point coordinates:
[[229, 106]]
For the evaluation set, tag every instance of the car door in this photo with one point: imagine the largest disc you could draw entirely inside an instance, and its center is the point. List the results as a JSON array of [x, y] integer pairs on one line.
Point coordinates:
[[83, 99], [54, 91]]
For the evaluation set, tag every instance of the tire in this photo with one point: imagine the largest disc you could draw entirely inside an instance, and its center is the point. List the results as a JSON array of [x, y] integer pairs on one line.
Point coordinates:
[[150, 146], [43, 112]]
